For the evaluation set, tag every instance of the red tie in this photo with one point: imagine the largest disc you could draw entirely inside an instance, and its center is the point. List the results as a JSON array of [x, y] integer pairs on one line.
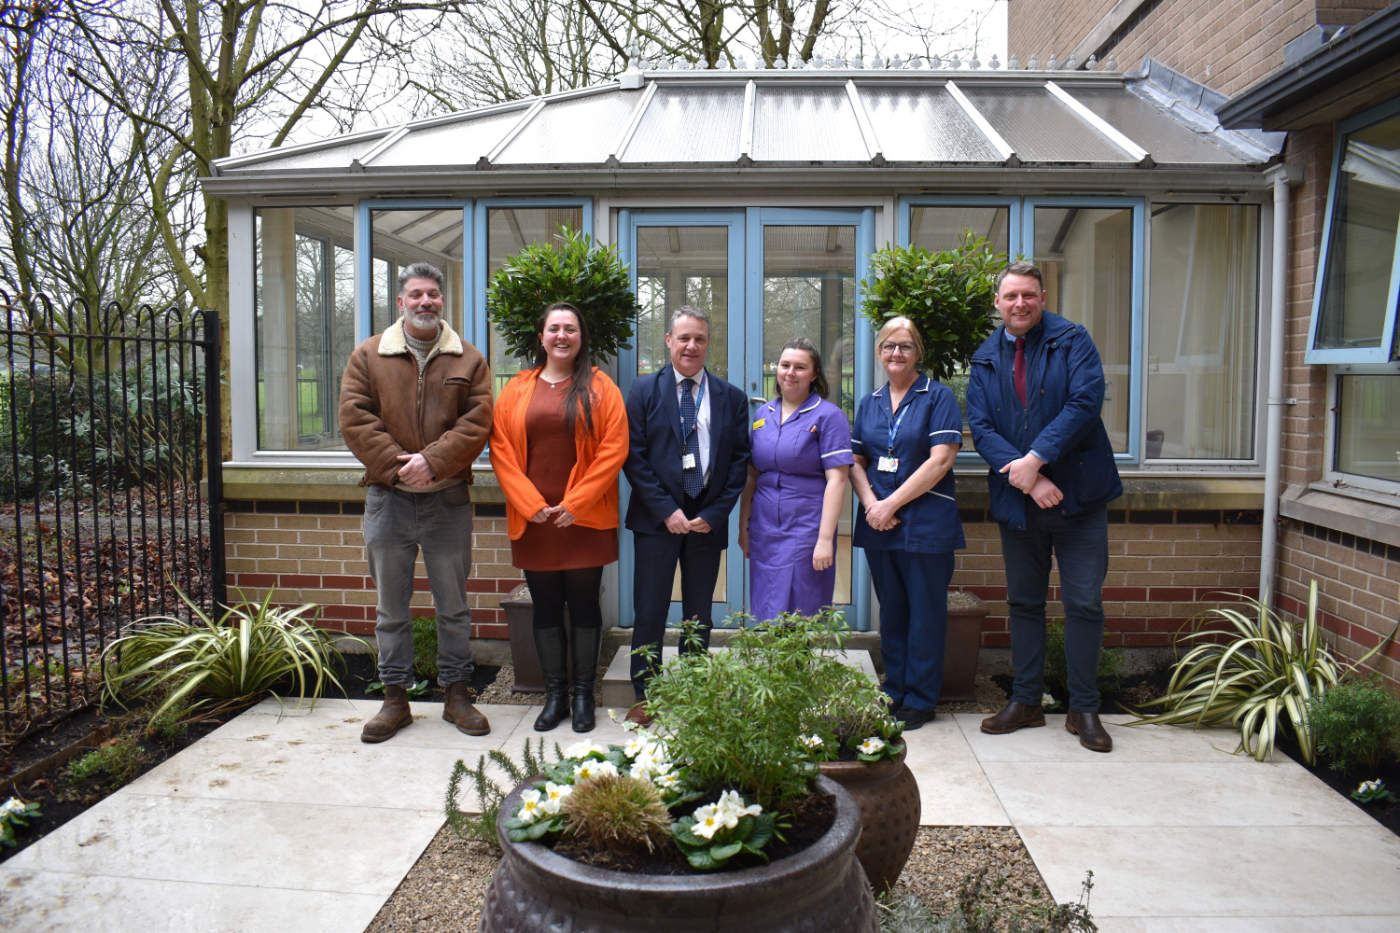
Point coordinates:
[[1018, 370]]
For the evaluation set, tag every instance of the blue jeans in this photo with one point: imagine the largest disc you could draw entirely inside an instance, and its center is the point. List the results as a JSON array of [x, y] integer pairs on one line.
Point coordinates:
[[396, 525], [913, 591], [1080, 547]]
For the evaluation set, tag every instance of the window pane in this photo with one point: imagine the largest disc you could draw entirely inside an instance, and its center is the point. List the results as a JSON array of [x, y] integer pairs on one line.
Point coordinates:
[[1368, 433], [682, 266], [304, 296], [400, 237], [942, 226], [1356, 282], [1086, 255], [1202, 315], [508, 231]]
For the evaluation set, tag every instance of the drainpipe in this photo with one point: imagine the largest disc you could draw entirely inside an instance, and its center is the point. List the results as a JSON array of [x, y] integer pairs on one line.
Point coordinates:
[[1281, 176]]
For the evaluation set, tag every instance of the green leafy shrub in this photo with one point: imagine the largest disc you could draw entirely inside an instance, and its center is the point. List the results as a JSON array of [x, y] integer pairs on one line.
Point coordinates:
[[490, 792], [617, 814], [948, 295], [425, 648], [574, 269], [1109, 677], [1355, 724], [15, 813], [849, 710], [210, 666], [1254, 670], [736, 717], [112, 764]]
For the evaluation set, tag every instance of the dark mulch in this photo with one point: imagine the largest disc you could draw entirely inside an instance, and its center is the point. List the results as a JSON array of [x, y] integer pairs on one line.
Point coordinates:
[[359, 672], [810, 818]]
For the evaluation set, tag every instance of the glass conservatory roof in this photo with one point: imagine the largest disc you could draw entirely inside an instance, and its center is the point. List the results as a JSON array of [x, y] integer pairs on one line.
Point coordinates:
[[854, 119]]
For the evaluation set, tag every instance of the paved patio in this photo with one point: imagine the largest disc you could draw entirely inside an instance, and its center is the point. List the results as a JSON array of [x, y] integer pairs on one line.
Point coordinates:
[[284, 820]]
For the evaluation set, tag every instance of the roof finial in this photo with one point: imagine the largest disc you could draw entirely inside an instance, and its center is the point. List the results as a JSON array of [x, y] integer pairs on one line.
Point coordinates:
[[1091, 63], [976, 63], [1051, 65], [1013, 63]]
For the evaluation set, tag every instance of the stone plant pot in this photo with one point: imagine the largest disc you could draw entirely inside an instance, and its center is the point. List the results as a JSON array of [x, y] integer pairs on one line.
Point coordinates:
[[888, 796], [961, 646], [821, 889]]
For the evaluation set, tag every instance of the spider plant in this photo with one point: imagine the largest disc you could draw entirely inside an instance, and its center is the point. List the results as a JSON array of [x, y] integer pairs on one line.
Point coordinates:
[[1258, 672], [206, 667]]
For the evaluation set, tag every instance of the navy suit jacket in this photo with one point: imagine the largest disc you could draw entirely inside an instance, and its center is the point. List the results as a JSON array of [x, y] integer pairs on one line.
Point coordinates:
[[654, 460]]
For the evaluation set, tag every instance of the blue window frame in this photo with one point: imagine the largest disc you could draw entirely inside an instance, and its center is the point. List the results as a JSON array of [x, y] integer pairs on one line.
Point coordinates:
[[1358, 281]]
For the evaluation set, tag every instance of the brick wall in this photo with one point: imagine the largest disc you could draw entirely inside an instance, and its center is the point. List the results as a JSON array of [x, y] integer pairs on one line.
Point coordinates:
[[314, 552], [1226, 46], [1164, 567], [1358, 593]]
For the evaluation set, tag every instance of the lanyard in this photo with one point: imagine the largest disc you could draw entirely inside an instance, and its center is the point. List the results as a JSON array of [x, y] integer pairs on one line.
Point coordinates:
[[894, 428], [699, 397]]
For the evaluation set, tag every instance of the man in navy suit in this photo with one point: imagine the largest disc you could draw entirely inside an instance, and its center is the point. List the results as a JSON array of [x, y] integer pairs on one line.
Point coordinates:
[[687, 465]]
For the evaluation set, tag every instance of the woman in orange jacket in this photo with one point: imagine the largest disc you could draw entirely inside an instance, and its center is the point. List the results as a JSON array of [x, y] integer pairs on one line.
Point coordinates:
[[557, 444]]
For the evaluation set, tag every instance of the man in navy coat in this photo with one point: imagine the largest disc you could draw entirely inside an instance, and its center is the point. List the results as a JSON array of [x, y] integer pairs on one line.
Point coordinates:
[[687, 465], [1034, 403]]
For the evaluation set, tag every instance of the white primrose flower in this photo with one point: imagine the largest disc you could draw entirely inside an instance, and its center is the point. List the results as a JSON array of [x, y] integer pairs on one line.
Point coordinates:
[[530, 809], [871, 746], [1365, 787], [731, 808], [591, 768], [635, 746], [11, 806], [554, 795], [812, 742], [707, 821], [668, 781], [1048, 700], [584, 749]]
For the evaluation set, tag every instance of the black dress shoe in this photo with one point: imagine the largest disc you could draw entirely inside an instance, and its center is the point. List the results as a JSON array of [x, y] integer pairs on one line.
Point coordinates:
[[914, 718], [1012, 717], [1092, 734]]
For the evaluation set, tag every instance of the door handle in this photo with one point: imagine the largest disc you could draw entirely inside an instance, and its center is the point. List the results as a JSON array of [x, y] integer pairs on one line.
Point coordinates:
[[757, 400]]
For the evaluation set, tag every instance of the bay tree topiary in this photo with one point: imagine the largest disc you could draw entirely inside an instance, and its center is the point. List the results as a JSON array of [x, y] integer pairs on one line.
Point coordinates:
[[947, 294], [571, 268]]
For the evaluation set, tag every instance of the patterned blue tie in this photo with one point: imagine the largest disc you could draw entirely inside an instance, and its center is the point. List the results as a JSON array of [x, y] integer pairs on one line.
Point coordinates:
[[692, 480]]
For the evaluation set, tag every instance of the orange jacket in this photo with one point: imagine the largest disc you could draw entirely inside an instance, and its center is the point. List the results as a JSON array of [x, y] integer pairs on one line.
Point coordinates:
[[591, 494]]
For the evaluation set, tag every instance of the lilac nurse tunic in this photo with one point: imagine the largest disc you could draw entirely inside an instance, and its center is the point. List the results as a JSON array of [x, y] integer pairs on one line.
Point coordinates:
[[791, 458]]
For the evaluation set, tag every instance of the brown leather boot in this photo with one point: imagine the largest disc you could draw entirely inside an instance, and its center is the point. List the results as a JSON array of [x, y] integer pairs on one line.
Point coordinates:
[[392, 716], [1012, 717], [1092, 734], [459, 711]]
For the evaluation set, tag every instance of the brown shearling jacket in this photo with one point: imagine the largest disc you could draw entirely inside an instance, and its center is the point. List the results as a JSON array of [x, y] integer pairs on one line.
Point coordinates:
[[384, 412]]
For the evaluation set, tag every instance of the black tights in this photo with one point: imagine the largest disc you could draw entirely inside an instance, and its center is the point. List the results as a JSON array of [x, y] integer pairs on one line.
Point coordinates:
[[551, 590]]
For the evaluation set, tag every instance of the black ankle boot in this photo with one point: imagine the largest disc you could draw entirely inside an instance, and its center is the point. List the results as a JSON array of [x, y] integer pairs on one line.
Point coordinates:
[[550, 646], [585, 657]]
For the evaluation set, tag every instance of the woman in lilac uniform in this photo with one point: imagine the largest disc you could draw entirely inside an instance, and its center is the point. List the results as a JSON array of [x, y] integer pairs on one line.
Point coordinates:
[[797, 483]]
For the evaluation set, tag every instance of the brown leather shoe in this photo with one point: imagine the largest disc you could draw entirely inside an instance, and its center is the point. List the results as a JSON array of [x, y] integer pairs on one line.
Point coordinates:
[[1092, 734], [638, 714], [459, 711], [1014, 716], [392, 716]]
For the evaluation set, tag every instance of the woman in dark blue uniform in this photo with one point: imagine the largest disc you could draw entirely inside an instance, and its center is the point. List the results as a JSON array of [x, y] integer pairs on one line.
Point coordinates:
[[906, 436]]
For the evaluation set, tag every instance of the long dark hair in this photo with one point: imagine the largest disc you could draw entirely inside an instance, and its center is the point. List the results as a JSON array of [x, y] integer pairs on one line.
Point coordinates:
[[819, 385], [580, 393]]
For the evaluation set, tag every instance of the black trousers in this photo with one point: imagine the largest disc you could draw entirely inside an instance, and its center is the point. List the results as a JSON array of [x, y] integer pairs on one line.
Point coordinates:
[[656, 557]]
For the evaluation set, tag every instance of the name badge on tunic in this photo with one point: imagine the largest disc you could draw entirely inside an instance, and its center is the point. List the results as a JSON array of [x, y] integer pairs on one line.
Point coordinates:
[[688, 462], [887, 464]]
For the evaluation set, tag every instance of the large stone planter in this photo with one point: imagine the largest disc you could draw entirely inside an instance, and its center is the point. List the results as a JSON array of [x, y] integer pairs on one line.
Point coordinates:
[[821, 889], [961, 646], [888, 796]]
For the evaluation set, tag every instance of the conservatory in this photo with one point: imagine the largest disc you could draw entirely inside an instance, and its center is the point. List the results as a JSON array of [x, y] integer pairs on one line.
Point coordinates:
[[760, 195]]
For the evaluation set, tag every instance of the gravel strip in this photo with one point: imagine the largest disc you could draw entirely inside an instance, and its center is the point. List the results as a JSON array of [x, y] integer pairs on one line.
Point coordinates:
[[447, 885]]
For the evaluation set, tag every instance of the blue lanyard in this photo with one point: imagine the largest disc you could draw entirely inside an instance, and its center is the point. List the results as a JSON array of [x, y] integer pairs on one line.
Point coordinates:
[[894, 428], [699, 397]]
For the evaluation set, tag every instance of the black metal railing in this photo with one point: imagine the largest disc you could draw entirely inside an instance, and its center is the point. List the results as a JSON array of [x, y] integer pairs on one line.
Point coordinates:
[[109, 491]]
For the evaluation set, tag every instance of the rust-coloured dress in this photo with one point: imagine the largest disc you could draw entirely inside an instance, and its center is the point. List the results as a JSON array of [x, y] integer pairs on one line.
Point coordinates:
[[549, 459]]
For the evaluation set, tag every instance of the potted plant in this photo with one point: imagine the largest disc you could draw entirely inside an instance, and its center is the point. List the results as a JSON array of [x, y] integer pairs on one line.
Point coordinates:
[[707, 809], [858, 744]]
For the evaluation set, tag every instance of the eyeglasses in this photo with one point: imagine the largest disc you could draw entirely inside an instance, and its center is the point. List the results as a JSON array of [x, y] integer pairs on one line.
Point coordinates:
[[889, 348]]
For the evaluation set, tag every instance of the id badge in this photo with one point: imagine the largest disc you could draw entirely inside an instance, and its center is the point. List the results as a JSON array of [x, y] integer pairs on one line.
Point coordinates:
[[688, 462], [887, 464]]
